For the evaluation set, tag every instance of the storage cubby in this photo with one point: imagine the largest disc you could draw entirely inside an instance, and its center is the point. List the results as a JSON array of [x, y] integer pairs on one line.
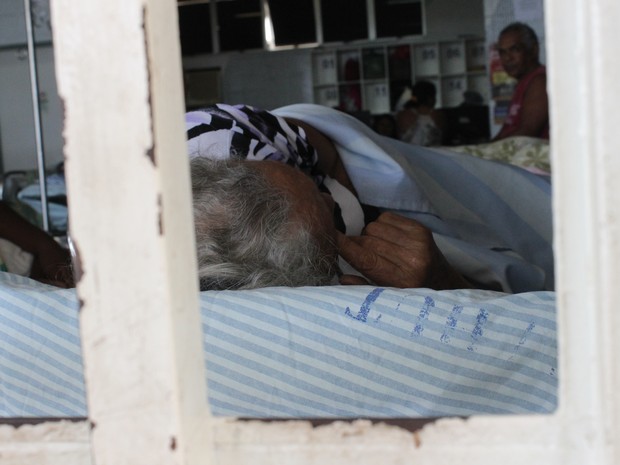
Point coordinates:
[[453, 60], [476, 55], [426, 59], [373, 62], [349, 65], [376, 98], [324, 69], [373, 77], [452, 89]]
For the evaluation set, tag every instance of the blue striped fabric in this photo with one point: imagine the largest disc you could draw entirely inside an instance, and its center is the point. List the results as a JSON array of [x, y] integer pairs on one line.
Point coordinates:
[[312, 352]]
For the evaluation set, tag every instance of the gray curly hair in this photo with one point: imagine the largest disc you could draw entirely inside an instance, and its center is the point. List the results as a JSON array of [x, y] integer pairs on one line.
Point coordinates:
[[245, 235]]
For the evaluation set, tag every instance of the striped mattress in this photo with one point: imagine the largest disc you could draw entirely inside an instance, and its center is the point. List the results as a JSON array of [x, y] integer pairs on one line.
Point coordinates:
[[328, 352]]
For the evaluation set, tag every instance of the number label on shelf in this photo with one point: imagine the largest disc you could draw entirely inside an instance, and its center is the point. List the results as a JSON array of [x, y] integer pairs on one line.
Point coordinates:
[[429, 53], [453, 52], [328, 63], [455, 84], [477, 51]]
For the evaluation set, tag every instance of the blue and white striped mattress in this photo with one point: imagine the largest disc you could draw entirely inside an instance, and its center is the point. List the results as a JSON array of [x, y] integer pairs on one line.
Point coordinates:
[[329, 352]]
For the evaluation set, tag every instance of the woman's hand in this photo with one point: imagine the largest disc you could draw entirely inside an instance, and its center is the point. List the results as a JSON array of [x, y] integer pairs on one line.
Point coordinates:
[[398, 252], [52, 265]]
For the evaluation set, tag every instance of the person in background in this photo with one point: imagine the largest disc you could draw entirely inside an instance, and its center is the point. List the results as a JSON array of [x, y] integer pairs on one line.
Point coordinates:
[[528, 114], [385, 124], [417, 122]]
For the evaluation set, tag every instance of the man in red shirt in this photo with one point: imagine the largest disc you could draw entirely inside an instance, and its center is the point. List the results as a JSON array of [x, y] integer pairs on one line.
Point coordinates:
[[528, 114]]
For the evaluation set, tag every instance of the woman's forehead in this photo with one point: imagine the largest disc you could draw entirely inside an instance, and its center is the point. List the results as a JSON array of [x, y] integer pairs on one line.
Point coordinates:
[[283, 175]]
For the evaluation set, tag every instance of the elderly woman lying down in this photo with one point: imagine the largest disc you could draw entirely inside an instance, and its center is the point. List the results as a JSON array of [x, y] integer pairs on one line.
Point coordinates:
[[276, 210], [278, 196]]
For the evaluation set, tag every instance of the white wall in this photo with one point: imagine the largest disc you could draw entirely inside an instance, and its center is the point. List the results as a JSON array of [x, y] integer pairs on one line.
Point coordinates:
[[17, 146], [17, 137], [262, 79], [13, 26], [451, 18]]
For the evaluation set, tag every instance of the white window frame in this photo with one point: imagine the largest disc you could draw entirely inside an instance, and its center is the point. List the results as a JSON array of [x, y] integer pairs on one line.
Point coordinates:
[[119, 74]]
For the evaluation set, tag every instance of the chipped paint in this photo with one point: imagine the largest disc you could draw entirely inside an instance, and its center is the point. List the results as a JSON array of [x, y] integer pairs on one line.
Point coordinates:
[[150, 152], [61, 442], [76, 260], [160, 215], [416, 440]]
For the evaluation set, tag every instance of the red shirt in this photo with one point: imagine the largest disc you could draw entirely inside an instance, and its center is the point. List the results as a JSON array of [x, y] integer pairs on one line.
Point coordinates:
[[514, 112]]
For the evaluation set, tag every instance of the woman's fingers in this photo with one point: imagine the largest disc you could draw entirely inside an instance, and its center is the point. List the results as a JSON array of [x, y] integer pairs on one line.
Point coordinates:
[[381, 261], [396, 251], [352, 280]]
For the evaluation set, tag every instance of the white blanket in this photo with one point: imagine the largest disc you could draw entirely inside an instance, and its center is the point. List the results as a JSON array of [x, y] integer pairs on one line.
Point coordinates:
[[492, 220]]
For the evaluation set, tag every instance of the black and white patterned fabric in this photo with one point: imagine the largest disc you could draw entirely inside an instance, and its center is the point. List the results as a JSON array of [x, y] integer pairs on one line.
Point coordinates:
[[222, 131]]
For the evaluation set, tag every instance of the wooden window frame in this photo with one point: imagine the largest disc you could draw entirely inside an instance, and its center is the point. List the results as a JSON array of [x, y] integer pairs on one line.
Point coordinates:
[[137, 69]]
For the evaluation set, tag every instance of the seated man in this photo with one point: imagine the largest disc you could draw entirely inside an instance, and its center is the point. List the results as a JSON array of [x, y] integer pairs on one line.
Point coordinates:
[[490, 239], [528, 114]]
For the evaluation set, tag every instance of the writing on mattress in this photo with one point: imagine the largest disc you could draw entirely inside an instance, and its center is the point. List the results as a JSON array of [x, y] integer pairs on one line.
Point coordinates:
[[467, 325]]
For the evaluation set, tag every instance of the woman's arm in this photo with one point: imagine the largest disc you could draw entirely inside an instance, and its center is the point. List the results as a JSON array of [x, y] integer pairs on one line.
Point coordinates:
[[534, 111], [51, 262], [329, 159]]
